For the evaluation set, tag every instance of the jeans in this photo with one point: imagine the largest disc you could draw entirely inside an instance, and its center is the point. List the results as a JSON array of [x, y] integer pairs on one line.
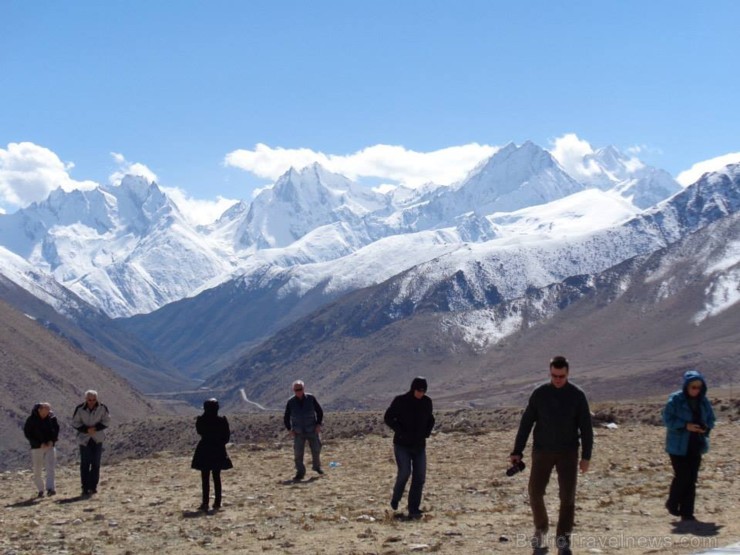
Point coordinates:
[[299, 447], [206, 483], [44, 457], [410, 462], [566, 465], [683, 486], [90, 455]]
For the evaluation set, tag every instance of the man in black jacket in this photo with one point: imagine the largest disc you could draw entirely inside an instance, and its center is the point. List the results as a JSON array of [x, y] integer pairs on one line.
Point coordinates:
[[42, 432], [559, 412], [411, 418], [303, 418]]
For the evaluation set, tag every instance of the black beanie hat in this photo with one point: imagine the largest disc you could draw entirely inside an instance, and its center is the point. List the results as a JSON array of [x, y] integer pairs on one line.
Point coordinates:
[[210, 406], [419, 383]]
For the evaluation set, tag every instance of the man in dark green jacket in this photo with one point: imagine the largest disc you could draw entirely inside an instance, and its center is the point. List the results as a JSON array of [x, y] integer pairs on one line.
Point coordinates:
[[559, 412]]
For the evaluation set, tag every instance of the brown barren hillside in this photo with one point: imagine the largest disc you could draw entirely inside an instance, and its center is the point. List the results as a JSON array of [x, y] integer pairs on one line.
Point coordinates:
[[37, 365], [146, 503]]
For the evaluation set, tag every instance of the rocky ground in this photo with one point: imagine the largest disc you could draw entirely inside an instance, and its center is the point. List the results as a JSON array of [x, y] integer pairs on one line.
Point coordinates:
[[146, 502]]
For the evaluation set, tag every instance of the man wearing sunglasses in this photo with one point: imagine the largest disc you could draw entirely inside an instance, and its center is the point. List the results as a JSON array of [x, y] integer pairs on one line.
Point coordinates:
[[559, 412], [303, 418]]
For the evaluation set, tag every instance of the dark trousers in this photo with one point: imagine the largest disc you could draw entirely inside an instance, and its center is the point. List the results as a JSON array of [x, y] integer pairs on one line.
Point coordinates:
[[683, 486], [566, 465], [410, 462], [206, 486], [90, 456], [299, 448]]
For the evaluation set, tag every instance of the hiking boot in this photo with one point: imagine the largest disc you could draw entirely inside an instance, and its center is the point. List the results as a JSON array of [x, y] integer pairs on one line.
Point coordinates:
[[539, 539], [51, 492], [672, 508], [563, 545], [41, 494], [416, 515], [394, 504], [298, 477], [318, 470], [203, 507]]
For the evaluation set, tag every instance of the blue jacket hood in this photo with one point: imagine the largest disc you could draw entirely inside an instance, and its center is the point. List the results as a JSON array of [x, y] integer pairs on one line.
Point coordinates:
[[693, 375]]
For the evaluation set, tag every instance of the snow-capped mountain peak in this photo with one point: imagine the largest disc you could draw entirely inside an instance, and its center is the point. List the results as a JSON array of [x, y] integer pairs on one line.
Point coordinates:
[[303, 200], [610, 169], [116, 246], [516, 177]]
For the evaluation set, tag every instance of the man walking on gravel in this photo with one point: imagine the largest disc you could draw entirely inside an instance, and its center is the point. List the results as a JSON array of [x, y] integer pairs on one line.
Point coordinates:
[[303, 418], [90, 419], [410, 417], [560, 415]]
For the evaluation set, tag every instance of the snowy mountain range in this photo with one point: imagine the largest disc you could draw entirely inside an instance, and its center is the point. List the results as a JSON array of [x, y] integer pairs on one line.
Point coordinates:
[[116, 247], [482, 338], [201, 297]]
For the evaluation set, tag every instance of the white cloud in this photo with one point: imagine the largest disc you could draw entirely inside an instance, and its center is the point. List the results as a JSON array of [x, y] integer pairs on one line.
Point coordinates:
[[570, 151], [390, 162], [692, 175], [129, 168], [198, 211], [29, 172]]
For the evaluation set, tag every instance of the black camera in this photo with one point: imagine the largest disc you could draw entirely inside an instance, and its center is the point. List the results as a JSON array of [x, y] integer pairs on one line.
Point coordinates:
[[515, 468]]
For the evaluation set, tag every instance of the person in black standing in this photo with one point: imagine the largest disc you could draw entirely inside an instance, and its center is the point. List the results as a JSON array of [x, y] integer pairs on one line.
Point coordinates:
[[303, 418], [210, 455], [411, 418], [688, 417]]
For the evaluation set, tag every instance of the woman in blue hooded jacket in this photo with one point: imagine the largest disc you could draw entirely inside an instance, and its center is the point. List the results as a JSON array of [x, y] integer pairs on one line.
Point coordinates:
[[688, 418]]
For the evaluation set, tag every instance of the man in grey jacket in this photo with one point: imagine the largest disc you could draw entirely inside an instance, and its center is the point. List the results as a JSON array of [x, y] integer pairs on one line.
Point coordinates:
[[90, 419], [303, 418]]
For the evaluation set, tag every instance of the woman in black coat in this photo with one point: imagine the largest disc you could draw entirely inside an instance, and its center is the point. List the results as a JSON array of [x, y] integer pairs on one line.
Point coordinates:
[[42, 431], [210, 454]]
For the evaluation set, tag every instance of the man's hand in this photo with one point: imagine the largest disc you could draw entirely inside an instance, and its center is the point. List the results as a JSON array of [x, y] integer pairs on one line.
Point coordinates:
[[91, 431], [515, 459], [695, 428], [583, 465], [291, 433], [318, 428]]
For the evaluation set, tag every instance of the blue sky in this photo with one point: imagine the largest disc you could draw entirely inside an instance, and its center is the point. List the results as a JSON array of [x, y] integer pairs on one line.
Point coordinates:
[[187, 90]]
